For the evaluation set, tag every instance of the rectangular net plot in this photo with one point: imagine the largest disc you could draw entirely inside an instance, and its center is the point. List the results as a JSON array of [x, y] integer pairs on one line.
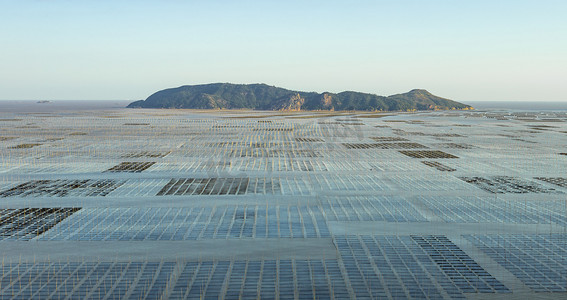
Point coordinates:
[[439, 166], [64, 187], [361, 146], [506, 184], [295, 186], [236, 144], [384, 146], [205, 186], [265, 186], [140, 188], [489, 210], [468, 275], [86, 280], [445, 135], [336, 183], [376, 208], [282, 129], [558, 181], [28, 223], [247, 152], [308, 140], [539, 261], [397, 267], [455, 146], [215, 164], [403, 146], [7, 138], [164, 224], [429, 183], [389, 139], [428, 154], [408, 133], [191, 166], [261, 279], [131, 167], [395, 165], [336, 131], [54, 168], [146, 154], [280, 165]]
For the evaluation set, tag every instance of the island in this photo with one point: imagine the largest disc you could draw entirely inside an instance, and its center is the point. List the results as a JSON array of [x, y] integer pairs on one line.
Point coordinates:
[[266, 97]]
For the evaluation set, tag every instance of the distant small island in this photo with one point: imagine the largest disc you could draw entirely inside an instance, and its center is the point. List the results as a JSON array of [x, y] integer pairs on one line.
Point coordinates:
[[265, 97]]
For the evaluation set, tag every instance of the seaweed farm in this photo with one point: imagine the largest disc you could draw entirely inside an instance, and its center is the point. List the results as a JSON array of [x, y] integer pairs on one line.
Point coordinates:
[[189, 204]]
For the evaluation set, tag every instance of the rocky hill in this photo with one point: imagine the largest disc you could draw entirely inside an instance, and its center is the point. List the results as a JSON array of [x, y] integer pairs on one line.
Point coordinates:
[[265, 97]]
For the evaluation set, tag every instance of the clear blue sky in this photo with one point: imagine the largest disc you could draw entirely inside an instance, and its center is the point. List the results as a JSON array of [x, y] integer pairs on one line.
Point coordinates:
[[463, 50]]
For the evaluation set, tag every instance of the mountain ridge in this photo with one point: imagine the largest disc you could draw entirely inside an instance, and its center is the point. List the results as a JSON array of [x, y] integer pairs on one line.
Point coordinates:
[[265, 97]]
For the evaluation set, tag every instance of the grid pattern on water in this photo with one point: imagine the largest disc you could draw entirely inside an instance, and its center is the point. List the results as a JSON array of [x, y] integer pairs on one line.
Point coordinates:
[[54, 168], [279, 165], [397, 267], [259, 152], [389, 139], [454, 146], [363, 154], [205, 186], [539, 261], [348, 183], [417, 133], [64, 187], [473, 166], [222, 222], [27, 223], [250, 144], [277, 129], [132, 167], [395, 166], [256, 186], [263, 279], [85, 280], [309, 140], [338, 165], [507, 184], [427, 154], [439, 166], [458, 266], [384, 146], [146, 154], [221, 186], [139, 188], [441, 182], [376, 208], [189, 166], [490, 210]]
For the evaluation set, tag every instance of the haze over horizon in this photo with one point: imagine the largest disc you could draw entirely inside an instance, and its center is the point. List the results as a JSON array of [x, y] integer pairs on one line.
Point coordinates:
[[470, 51]]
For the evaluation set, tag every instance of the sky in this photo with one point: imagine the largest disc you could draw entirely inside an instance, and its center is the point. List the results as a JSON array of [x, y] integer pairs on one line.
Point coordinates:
[[126, 50]]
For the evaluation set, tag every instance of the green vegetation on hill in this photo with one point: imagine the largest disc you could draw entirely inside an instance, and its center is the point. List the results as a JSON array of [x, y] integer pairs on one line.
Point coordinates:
[[265, 97]]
